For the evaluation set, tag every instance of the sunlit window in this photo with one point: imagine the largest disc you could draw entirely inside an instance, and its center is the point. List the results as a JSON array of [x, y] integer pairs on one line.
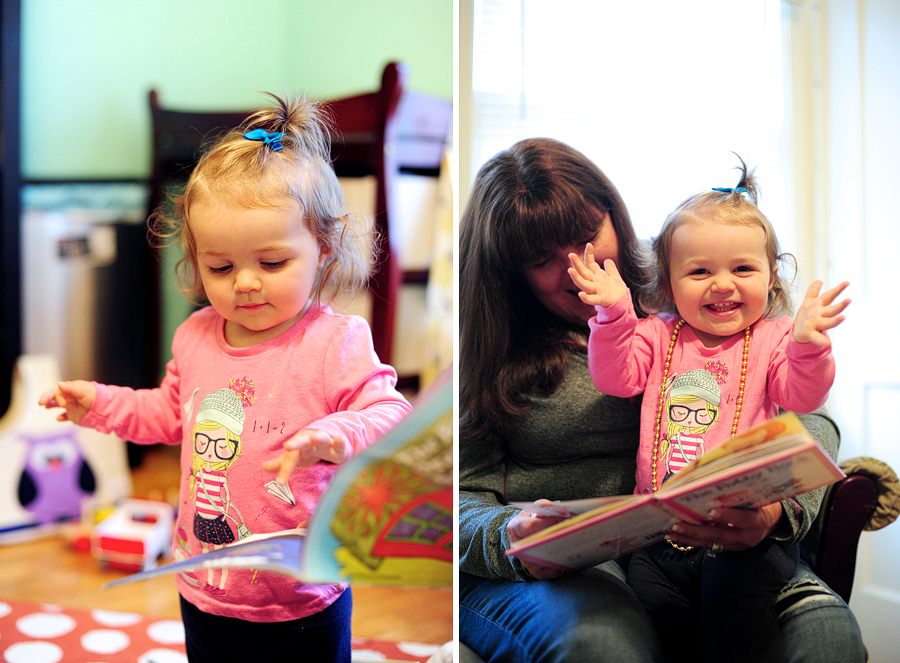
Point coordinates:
[[657, 93]]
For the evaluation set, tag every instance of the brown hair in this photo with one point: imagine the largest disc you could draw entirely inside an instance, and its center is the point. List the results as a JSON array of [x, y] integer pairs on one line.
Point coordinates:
[[527, 201], [736, 206], [249, 174]]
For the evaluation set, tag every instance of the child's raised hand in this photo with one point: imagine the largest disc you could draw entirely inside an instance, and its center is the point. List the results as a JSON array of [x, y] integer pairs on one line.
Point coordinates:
[[600, 286], [818, 313], [305, 449], [76, 396]]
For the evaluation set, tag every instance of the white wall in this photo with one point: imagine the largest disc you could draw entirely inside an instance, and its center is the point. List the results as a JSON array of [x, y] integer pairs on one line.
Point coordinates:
[[846, 94]]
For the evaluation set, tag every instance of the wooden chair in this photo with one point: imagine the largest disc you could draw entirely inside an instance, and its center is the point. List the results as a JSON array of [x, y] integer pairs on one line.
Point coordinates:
[[832, 549], [377, 134], [177, 137], [365, 144], [831, 545]]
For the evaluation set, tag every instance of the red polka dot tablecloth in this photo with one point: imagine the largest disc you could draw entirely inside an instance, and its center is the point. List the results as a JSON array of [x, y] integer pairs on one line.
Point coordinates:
[[44, 633]]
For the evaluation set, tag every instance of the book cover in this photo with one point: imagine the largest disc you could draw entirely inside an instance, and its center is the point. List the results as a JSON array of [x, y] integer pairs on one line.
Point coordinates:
[[767, 463]]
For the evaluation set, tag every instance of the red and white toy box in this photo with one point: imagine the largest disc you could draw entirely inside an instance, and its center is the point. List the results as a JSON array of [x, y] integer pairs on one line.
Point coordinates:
[[134, 535]]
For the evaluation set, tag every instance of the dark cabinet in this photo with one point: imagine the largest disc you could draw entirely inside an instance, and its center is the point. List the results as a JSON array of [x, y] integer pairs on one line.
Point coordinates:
[[10, 279]]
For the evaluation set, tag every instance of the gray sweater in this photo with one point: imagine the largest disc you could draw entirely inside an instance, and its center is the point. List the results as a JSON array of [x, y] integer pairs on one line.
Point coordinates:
[[575, 443]]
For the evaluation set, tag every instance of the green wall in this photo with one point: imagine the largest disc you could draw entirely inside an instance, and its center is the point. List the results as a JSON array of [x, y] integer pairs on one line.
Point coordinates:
[[87, 66]]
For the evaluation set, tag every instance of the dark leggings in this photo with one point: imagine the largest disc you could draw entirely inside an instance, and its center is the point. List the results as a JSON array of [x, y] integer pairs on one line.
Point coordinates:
[[704, 605], [320, 638]]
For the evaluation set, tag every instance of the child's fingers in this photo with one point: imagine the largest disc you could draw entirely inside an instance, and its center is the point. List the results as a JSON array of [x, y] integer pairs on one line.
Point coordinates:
[[283, 466], [61, 396], [610, 266], [586, 285], [580, 275], [65, 394], [830, 323], [340, 449], [289, 463], [304, 439], [48, 399], [576, 262], [813, 291], [830, 295], [836, 309], [315, 446], [66, 391], [272, 464], [584, 270], [838, 319], [576, 271], [331, 450], [589, 255], [306, 449]]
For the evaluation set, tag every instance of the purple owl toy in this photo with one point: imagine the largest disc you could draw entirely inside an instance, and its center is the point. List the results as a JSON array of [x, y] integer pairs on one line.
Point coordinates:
[[56, 477]]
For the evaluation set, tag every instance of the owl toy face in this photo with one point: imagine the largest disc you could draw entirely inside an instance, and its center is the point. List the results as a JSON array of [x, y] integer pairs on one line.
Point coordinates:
[[55, 454], [55, 478]]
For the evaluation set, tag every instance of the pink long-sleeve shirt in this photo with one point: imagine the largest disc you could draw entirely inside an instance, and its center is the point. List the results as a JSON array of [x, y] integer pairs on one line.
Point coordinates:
[[321, 374], [626, 357]]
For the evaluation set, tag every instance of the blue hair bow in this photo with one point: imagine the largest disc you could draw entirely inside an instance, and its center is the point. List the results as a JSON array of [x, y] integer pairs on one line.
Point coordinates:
[[273, 140], [739, 189]]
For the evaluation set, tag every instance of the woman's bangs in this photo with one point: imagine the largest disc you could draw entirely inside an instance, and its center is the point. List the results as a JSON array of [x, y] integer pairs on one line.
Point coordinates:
[[540, 230]]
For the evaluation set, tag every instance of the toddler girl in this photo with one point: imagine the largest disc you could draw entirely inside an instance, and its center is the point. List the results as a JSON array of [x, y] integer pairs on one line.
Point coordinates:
[[267, 387], [717, 359]]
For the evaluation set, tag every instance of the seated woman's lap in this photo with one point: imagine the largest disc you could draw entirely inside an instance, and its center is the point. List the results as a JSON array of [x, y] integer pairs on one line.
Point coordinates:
[[587, 616], [593, 616], [816, 623]]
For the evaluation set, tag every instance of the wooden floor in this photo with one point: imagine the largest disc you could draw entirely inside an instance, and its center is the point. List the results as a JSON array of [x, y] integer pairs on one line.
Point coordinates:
[[49, 570]]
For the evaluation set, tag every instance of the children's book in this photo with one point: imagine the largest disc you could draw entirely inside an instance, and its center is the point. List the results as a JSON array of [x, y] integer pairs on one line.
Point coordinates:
[[767, 463], [386, 518]]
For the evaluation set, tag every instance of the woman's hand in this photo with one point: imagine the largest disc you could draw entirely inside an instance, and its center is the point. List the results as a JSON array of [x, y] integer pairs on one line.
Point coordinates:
[[817, 314], [76, 396], [734, 529], [525, 523], [305, 449], [600, 286]]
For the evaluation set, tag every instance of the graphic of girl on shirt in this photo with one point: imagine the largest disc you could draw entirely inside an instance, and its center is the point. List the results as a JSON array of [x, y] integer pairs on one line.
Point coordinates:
[[692, 409], [217, 443]]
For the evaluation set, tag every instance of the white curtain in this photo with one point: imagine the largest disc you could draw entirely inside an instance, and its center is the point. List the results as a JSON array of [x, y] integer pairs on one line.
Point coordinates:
[[847, 141]]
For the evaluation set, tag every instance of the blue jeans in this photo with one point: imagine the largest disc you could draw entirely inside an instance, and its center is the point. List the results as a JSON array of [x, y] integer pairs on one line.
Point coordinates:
[[594, 616], [816, 624], [586, 617]]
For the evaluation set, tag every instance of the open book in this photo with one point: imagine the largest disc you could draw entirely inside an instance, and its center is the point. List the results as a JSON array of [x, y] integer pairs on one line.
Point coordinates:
[[386, 518], [767, 463]]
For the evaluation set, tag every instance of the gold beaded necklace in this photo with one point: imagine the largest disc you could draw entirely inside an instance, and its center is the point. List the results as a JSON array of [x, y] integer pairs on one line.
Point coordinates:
[[662, 399]]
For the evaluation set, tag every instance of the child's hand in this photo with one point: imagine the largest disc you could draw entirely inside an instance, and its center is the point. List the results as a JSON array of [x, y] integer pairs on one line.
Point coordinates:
[[599, 286], [817, 313], [76, 396], [307, 448]]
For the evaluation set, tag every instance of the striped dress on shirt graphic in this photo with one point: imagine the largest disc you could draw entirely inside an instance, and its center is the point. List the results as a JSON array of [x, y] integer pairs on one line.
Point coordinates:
[[213, 505]]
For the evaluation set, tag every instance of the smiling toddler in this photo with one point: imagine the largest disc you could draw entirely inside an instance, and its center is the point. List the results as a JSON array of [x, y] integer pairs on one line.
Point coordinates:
[[715, 359]]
